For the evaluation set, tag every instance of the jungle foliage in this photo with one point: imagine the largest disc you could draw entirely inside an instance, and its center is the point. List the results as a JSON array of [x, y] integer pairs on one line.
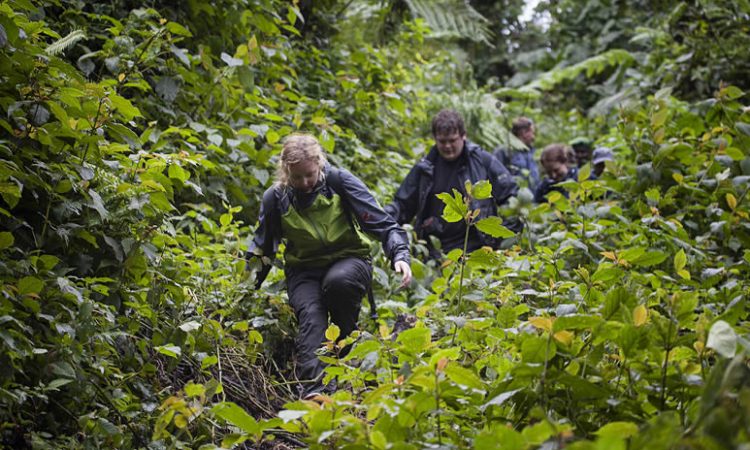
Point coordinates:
[[137, 139]]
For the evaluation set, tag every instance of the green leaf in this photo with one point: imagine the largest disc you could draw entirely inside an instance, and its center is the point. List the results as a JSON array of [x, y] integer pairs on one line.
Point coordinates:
[[723, 339], [649, 259], [482, 190], [735, 153], [6, 239], [194, 390], [680, 260], [333, 332], [618, 429], [415, 339], [502, 437], [57, 383], [731, 92], [534, 349], [272, 137], [493, 226], [463, 376], [11, 193], [455, 208], [178, 173], [632, 254], [64, 369], [124, 107], [575, 322], [378, 440], [326, 141], [30, 285], [170, 350], [123, 134], [209, 361], [659, 117], [585, 173], [237, 416], [176, 28]]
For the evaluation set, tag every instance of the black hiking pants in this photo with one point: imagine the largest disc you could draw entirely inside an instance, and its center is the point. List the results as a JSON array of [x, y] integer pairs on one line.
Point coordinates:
[[334, 291]]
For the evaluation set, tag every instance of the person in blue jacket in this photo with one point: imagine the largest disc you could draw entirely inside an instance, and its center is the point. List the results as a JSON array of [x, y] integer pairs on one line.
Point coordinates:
[[521, 163], [325, 217], [558, 162], [451, 162]]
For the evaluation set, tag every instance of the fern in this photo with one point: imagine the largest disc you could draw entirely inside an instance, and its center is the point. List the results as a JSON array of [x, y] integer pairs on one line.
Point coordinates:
[[484, 118], [591, 66], [452, 19], [63, 44]]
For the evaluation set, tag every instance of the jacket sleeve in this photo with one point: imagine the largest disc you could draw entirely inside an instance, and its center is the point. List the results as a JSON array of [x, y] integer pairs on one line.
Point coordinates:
[[541, 191], [267, 236], [373, 219], [504, 185], [404, 206]]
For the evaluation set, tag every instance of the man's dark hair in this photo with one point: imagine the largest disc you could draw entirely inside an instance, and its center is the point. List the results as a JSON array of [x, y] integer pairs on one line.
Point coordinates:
[[520, 124], [448, 121]]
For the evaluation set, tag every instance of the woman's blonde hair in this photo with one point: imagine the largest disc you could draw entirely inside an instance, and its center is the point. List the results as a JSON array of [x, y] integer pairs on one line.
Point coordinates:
[[297, 148]]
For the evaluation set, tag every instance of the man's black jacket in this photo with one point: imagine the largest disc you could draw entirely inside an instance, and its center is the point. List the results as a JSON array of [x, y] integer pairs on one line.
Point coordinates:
[[411, 199]]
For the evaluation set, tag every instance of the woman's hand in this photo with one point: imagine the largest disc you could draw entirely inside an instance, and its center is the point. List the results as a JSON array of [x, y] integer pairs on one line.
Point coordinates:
[[403, 268]]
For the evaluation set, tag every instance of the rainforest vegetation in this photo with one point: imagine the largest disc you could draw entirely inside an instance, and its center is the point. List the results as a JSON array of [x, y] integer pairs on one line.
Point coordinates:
[[137, 138]]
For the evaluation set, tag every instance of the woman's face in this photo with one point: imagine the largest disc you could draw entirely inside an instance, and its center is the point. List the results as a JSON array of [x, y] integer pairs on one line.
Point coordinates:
[[304, 175], [556, 170]]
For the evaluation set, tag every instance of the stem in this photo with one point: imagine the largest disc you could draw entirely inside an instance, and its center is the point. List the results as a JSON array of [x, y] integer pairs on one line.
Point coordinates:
[[463, 264], [437, 405], [461, 277], [140, 55], [218, 366], [44, 227], [664, 367], [543, 379]]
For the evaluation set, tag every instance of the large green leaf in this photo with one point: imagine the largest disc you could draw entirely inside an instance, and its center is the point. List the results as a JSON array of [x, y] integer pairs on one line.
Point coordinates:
[[493, 226], [237, 416]]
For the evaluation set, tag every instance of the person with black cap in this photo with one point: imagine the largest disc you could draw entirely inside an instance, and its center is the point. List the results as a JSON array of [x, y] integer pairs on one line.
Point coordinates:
[[582, 148]]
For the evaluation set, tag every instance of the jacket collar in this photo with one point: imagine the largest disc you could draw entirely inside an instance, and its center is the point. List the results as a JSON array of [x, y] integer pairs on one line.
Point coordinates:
[[427, 163]]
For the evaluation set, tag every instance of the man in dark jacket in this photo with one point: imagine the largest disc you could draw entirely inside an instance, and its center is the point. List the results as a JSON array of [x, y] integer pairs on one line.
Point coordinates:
[[448, 165], [521, 163]]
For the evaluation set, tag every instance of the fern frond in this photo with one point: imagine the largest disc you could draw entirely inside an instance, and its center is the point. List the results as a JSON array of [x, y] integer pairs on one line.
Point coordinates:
[[591, 66], [452, 19], [63, 44]]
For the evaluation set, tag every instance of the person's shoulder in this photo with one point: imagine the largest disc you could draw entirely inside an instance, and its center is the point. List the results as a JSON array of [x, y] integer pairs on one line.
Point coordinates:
[[473, 147], [274, 189]]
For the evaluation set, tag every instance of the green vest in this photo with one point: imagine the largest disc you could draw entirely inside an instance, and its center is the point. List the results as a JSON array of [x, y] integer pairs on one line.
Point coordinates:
[[321, 234]]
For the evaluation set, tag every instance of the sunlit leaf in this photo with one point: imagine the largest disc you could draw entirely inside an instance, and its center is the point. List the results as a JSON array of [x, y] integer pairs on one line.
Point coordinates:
[[493, 226], [333, 332], [640, 315]]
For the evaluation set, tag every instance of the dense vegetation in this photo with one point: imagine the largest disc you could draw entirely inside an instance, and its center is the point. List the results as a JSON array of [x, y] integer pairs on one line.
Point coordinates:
[[137, 139]]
